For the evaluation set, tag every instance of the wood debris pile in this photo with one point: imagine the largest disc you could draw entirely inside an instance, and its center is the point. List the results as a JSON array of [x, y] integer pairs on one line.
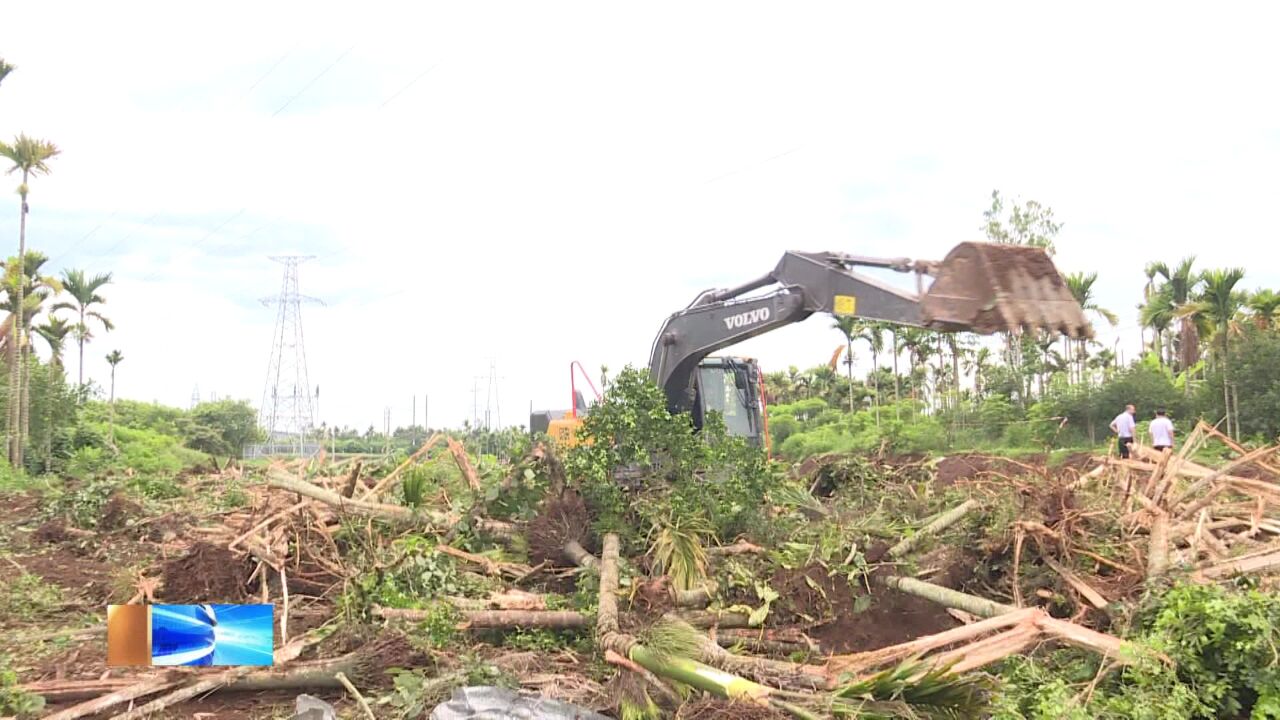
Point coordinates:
[[1210, 523], [1147, 517]]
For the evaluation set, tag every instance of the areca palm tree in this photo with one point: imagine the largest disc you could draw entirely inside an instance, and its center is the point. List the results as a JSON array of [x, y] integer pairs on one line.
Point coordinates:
[[978, 364], [1081, 287], [34, 289], [29, 157], [1265, 306], [54, 331], [1179, 288], [84, 297], [915, 341], [873, 333], [848, 326], [113, 359], [1158, 313], [1215, 311]]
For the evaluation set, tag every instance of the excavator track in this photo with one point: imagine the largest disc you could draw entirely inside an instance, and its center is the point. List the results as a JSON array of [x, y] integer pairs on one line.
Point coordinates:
[[987, 288]]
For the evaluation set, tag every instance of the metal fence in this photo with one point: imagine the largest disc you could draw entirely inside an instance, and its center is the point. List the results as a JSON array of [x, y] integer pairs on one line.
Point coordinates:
[[282, 449]]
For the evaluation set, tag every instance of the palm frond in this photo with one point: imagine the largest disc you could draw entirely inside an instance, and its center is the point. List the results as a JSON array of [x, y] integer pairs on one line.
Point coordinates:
[[29, 156], [679, 551], [926, 690]]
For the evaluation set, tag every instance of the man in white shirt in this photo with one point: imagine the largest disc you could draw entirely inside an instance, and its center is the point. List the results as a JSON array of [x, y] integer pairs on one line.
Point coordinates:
[[1161, 432], [1123, 426]]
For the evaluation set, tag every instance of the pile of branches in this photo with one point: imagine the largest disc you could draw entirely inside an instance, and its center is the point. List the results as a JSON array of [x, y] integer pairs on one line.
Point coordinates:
[[667, 642], [1207, 523]]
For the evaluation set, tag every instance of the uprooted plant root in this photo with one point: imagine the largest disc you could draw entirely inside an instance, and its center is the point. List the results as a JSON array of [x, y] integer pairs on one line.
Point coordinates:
[[562, 519]]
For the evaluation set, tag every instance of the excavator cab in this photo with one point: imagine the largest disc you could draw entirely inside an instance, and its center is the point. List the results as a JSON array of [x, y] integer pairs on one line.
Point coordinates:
[[730, 386]]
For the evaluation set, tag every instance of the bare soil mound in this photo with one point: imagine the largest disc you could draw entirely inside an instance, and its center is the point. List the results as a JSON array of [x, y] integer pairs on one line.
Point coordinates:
[[116, 512], [206, 574], [812, 596], [51, 532]]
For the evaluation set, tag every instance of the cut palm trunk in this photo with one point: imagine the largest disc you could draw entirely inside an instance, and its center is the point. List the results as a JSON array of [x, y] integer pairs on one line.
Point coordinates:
[[683, 670], [947, 597], [944, 521], [1158, 545], [497, 619]]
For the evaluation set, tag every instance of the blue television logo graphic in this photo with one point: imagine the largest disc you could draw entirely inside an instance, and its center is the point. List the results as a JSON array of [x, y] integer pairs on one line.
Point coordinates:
[[211, 634]]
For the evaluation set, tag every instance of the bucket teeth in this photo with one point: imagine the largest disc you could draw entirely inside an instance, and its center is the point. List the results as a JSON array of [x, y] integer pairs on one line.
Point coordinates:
[[989, 288]]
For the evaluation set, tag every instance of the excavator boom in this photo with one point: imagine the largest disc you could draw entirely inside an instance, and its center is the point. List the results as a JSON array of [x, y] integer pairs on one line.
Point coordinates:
[[979, 287]]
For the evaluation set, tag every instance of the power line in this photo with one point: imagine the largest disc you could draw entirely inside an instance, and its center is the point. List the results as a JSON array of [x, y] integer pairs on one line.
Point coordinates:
[[410, 84], [268, 72], [86, 236], [313, 81]]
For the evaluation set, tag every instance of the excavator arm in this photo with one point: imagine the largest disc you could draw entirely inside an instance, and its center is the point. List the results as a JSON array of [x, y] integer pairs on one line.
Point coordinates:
[[978, 287]]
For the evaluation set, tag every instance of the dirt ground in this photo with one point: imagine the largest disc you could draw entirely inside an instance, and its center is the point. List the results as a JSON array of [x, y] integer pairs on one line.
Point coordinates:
[[842, 624]]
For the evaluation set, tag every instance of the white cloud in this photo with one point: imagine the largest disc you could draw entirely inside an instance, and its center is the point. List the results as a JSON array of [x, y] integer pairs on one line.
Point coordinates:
[[542, 183]]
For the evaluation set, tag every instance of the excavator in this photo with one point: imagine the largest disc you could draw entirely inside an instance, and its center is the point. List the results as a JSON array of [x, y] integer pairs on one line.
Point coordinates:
[[978, 287]]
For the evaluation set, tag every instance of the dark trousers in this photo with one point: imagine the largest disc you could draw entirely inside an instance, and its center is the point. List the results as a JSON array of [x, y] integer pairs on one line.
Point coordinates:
[[1125, 442]]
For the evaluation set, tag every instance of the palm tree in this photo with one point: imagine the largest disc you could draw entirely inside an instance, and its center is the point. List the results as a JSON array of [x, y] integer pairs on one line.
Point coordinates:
[[1081, 287], [848, 326], [84, 296], [1177, 290], [113, 359], [1158, 313], [978, 364], [5, 69], [31, 157], [54, 331], [873, 333], [34, 289], [914, 341], [897, 348], [1215, 311], [1265, 306]]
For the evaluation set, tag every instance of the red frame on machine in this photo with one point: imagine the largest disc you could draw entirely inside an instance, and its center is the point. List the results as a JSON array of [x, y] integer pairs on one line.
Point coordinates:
[[764, 414], [573, 387]]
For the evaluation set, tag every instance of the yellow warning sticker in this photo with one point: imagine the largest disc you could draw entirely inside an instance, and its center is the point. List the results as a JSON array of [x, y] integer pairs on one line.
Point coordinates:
[[845, 305]]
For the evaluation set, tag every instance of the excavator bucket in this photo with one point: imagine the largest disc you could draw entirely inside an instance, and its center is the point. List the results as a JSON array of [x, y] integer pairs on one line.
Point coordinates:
[[988, 288]]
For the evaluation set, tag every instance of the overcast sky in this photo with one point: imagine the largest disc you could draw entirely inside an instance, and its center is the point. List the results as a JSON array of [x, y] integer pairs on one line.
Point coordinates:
[[534, 183]]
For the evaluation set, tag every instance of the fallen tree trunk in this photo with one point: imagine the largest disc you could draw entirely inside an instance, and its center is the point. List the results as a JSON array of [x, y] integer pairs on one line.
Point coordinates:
[[138, 689], [947, 597], [742, 547], [1158, 545], [391, 476], [464, 464], [683, 670], [553, 619], [944, 521], [1242, 566], [395, 513], [487, 619], [578, 555], [774, 673], [283, 655]]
